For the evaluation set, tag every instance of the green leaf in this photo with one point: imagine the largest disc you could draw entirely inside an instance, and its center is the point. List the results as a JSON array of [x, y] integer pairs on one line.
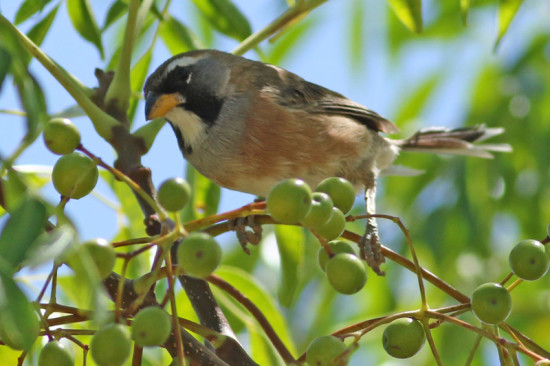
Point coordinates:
[[149, 131], [357, 35], [413, 105], [177, 36], [14, 190], [18, 322], [290, 39], [83, 19], [409, 12], [290, 241], [507, 9], [137, 79], [5, 63], [115, 12], [464, 9], [249, 286], [225, 17], [25, 224], [28, 9], [40, 30], [206, 196], [51, 245], [32, 98]]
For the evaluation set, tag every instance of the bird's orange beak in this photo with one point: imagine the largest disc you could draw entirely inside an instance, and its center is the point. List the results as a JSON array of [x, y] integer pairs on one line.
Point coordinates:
[[157, 105]]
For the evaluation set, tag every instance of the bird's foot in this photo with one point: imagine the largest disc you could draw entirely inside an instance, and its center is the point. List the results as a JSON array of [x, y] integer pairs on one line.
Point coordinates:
[[245, 236], [371, 251]]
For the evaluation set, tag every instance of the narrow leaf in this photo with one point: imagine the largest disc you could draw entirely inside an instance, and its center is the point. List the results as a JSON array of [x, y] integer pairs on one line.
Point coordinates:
[[115, 12], [249, 286], [225, 17], [290, 241], [409, 12], [51, 245], [205, 197], [83, 19], [40, 30], [507, 9], [137, 79], [26, 222], [28, 9], [33, 101], [464, 9], [356, 37], [5, 63], [177, 36], [18, 323]]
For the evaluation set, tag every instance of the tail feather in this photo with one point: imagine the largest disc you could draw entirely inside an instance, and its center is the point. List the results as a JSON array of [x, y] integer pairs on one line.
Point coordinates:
[[458, 141]]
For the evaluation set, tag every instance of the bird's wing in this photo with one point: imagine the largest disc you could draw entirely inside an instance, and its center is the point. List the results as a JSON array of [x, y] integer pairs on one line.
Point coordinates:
[[314, 98]]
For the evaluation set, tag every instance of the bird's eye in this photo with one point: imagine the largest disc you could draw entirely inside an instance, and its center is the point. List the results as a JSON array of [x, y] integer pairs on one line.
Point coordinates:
[[181, 73]]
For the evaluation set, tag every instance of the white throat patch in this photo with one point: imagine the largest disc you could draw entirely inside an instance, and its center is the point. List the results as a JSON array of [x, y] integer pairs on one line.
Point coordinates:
[[190, 125]]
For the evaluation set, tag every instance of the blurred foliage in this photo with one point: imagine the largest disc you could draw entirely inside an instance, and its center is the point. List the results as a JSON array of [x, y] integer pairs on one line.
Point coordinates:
[[464, 215]]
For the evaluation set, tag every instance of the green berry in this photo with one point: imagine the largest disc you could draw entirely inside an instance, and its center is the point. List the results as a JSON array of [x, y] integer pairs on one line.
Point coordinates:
[[491, 303], [403, 338], [55, 354], [174, 194], [61, 136], [289, 201], [529, 260], [101, 253], [199, 255], [319, 212], [74, 175], [151, 327], [325, 351], [337, 246], [111, 345], [340, 190], [346, 273], [334, 227]]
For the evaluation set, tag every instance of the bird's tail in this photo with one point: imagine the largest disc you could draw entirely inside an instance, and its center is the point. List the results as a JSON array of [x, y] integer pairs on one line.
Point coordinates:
[[458, 141]]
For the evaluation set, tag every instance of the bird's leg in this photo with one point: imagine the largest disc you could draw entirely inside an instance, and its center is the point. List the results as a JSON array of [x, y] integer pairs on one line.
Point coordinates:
[[244, 236], [369, 244]]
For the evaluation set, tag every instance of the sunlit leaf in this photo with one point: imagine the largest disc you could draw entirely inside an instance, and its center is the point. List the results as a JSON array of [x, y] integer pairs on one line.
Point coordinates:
[[115, 12], [464, 8], [28, 9], [149, 131], [356, 33], [413, 105], [409, 12], [205, 196], [225, 17], [252, 289], [137, 79], [177, 36], [32, 98], [83, 19], [51, 245], [290, 242], [25, 224], [290, 40], [507, 9], [18, 321], [5, 63], [40, 30]]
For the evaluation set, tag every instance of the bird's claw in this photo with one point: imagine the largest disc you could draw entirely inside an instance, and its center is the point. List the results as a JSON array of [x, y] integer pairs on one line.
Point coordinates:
[[245, 236], [371, 251]]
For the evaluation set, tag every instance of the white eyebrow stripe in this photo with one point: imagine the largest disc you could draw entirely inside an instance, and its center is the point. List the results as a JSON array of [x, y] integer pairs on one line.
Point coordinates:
[[182, 62]]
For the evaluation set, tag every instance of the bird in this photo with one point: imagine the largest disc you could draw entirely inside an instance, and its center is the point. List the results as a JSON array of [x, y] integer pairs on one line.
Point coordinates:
[[246, 125]]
